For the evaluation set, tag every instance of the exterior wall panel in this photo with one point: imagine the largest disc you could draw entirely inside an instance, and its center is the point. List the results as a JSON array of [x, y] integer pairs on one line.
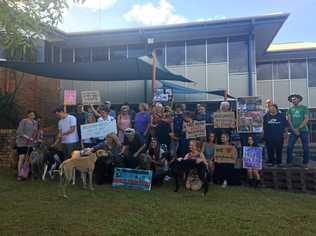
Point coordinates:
[[281, 93], [238, 84], [264, 90], [217, 77], [197, 73]]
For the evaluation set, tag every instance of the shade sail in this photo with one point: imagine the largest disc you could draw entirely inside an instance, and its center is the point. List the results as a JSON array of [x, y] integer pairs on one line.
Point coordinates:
[[184, 90], [115, 70]]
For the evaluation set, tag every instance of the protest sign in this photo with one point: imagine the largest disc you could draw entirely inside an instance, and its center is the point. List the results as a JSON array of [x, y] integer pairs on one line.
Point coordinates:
[[90, 97], [132, 178], [249, 115], [195, 130], [252, 158], [98, 129], [225, 154], [224, 120], [70, 97]]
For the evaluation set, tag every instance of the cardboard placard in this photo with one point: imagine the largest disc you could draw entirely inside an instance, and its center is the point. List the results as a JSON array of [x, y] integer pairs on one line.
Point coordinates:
[[70, 97], [98, 129], [90, 97], [195, 130], [224, 120], [252, 157], [224, 154], [132, 179]]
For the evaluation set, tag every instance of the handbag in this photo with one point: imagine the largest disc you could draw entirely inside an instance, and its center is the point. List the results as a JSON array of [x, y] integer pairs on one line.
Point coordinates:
[[25, 170]]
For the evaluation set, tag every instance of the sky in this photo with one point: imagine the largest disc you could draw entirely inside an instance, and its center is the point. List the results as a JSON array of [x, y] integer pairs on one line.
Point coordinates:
[[117, 14]]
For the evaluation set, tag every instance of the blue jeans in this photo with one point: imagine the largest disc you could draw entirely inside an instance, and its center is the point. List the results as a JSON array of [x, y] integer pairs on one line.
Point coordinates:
[[305, 141]]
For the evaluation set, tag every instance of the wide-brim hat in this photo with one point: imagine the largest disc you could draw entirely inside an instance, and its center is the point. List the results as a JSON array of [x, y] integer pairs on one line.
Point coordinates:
[[299, 97]]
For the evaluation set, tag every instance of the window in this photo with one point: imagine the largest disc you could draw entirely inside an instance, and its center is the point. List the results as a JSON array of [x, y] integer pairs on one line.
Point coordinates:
[[82, 55], [56, 54], [175, 53], [100, 54], [67, 55], [118, 53], [281, 70], [238, 55], [196, 52], [298, 69], [2, 56], [312, 72], [216, 50], [264, 71], [136, 51]]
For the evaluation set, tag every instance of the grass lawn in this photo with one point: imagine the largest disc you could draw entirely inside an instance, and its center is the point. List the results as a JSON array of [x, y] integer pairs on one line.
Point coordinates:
[[35, 208]]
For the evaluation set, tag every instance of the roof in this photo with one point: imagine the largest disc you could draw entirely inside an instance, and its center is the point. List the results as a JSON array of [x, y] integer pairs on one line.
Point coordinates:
[[292, 46]]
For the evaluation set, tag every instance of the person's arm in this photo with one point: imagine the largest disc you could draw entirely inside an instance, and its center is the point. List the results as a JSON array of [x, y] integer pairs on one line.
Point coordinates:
[[305, 121], [58, 138], [203, 158], [289, 119], [139, 150], [203, 148], [96, 113]]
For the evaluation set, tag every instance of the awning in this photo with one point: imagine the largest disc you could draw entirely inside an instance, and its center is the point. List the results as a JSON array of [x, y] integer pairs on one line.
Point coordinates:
[[184, 90], [114, 70]]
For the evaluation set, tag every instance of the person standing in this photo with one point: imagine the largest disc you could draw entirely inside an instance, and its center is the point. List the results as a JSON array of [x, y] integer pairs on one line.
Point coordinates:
[[298, 117], [142, 120], [274, 124], [124, 121]]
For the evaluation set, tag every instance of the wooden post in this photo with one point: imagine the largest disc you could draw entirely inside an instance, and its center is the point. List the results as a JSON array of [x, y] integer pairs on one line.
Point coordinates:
[[153, 82]]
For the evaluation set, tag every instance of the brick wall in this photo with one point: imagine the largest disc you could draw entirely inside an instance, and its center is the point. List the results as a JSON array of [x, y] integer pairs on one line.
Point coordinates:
[[7, 137]]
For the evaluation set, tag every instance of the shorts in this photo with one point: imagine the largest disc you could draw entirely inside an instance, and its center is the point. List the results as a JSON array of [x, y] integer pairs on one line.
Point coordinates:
[[24, 150]]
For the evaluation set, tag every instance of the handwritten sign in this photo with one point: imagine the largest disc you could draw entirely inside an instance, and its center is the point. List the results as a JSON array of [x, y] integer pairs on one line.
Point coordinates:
[[224, 154], [252, 158], [224, 119], [90, 97], [98, 129], [70, 97], [195, 130], [132, 179]]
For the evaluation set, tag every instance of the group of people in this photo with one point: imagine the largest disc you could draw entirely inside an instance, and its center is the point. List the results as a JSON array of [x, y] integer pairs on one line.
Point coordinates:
[[155, 137]]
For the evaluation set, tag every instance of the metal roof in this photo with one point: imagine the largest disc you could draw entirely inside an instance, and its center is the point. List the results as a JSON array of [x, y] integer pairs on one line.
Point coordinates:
[[292, 46]]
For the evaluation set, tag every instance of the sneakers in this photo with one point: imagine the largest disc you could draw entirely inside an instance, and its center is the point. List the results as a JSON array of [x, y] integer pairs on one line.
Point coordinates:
[[167, 178], [224, 185]]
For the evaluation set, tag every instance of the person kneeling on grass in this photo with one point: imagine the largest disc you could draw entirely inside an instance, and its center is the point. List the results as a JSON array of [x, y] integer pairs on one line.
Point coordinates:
[[253, 174]]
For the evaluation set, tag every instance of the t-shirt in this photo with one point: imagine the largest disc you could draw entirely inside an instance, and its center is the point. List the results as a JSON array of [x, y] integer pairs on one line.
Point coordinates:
[[162, 131], [135, 145], [142, 120], [64, 125], [297, 114], [273, 126]]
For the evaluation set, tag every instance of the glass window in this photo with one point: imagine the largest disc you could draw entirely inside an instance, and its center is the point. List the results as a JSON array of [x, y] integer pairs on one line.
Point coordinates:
[[216, 50], [312, 72], [82, 55], [118, 53], [264, 71], [175, 53], [281, 70], [196, 52], [67, 55], [2, 56], [100, 54], [298, 69], [238, 56], [136, 51], [56, 54]]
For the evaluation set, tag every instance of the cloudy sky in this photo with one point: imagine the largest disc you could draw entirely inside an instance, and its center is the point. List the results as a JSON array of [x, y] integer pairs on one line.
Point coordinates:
[[114, 14]]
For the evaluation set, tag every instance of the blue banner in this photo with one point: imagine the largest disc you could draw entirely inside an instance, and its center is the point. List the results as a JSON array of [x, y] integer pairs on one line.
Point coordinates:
[[132, 178]]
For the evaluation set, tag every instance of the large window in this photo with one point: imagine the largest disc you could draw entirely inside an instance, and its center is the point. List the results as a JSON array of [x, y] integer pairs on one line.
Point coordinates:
[[298, 69], [82, 55], [56, 54], [136, 51], [281, 70], [175, 53], [312, 72], [238, 55], [67, 55], [118, 53], [196, 52], [100, 54], [264, 71], [216, 50]]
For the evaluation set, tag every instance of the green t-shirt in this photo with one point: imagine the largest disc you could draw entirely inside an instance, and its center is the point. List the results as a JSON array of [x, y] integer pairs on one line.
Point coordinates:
[[297, 114]]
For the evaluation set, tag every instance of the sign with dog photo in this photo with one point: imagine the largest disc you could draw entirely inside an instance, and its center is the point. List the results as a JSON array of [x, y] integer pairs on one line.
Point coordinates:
[[252, 158], [132, 179], [224, 120], [225, 154], [195, 130], [90, 97], [98, 129]]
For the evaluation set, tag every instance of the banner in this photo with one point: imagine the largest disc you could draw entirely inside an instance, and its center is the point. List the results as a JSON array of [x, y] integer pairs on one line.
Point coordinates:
[[98, 129], [224, 120], [195, 130], [90, 97], [225, 154], [249, 115], [70, 97], [252, 157], [132, 178]]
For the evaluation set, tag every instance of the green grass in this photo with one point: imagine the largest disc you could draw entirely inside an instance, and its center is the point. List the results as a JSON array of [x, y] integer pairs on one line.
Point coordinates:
[[35, 208]]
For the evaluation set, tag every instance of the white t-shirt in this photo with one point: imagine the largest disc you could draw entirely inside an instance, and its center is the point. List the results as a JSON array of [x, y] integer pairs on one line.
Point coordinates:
[[64, 125], [100, 119]]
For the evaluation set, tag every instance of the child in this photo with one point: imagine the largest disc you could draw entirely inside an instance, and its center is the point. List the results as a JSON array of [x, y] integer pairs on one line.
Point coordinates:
[[253, 174]]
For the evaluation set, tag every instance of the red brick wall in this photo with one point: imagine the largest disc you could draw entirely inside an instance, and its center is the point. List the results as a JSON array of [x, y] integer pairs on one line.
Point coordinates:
[[7, 137]]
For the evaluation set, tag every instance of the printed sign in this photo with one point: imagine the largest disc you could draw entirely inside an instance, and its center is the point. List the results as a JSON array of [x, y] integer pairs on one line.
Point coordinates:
[[225, 154], [132, 179], [224, 120], [90, 97], [252, 158], [249, 115], [70, 97], [195, 130], [98, 129], [163, 95]]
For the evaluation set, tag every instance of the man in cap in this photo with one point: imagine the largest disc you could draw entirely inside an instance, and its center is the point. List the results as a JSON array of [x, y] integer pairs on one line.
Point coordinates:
[[297, 117]]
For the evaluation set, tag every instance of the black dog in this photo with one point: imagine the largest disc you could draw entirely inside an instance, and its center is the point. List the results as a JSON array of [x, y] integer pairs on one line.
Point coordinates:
[[180, 170], [52, 159]]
